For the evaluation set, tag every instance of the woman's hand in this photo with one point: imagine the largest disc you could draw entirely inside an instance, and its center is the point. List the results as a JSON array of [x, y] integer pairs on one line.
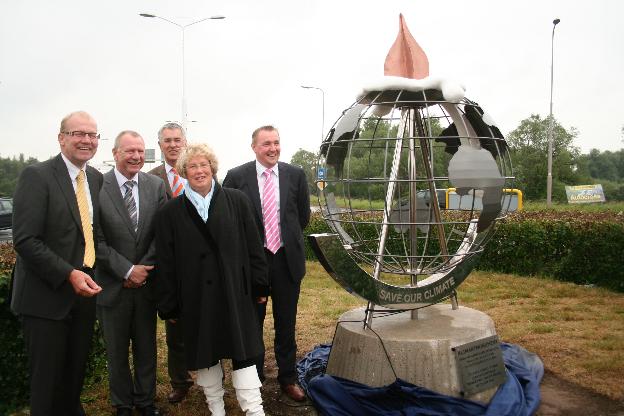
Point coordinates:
[[261, 299]]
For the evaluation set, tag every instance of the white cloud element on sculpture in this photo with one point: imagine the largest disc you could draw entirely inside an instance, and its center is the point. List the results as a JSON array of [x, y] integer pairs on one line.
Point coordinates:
[[452, 91]]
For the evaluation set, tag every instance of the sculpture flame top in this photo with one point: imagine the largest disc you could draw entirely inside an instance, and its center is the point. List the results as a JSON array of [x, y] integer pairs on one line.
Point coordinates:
[[406, 58]]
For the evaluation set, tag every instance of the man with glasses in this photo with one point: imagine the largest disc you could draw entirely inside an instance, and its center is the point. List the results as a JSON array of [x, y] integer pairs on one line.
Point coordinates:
[[55, 213], [172, 142]]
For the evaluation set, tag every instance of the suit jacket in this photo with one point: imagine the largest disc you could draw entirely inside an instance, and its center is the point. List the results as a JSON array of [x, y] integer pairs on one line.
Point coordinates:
[[48, 238], [294, 207], [119, 246], [161, 172]]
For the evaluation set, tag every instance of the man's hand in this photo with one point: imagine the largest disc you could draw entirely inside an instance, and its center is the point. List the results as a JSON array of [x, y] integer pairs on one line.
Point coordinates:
[[138, 275], [128, 284], [261, 299], [83, 284]]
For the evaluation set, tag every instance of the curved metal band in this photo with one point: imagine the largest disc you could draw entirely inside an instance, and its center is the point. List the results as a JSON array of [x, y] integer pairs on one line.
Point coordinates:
[[348, 274]]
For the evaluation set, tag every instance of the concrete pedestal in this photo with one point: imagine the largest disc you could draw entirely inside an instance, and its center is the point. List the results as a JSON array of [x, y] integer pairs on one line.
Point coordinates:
[[420, 350]]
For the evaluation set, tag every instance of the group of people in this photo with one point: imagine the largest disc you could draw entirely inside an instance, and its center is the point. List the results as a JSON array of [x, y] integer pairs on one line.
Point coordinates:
[[128, 245]]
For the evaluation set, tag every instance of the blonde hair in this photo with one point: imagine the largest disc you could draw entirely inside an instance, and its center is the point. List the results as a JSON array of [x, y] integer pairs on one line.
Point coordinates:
[[194, 150]]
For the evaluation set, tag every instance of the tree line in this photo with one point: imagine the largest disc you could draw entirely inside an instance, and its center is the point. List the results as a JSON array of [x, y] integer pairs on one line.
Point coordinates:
[[528, 147], [10, 168]]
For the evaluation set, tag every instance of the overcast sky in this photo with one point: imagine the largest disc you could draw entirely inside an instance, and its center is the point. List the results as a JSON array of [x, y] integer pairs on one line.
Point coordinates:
[[246, 71]]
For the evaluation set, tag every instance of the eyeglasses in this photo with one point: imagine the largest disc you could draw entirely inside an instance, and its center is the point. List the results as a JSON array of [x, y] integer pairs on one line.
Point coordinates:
[[82, 134], [201, 165]]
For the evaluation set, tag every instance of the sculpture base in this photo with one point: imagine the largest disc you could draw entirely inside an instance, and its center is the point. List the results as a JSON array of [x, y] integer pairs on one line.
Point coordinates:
[[420, 350]]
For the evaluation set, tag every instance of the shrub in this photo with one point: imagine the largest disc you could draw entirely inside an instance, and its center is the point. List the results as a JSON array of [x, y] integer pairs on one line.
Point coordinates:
[[14, 387], [13, 362], [575, 246], [578, 247]]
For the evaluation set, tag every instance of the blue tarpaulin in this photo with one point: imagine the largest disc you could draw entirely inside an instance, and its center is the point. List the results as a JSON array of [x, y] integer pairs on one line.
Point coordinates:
[[334, 396]]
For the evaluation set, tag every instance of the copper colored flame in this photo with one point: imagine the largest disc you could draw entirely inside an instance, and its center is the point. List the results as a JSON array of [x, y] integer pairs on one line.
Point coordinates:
[[406, 58]]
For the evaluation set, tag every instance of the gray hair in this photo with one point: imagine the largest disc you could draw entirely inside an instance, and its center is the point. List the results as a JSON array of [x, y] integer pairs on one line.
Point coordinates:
[[118, 138], [194, 150], [171, 126]]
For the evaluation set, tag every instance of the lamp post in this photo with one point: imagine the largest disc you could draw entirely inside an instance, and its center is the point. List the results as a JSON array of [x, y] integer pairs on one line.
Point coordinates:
[[323, 103], [551, 124], [184, 119]]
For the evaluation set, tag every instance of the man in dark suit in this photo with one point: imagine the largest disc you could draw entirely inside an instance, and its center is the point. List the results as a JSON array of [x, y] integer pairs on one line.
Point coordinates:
[[126, 255], [279, 194], [172, 141], [55, 213]]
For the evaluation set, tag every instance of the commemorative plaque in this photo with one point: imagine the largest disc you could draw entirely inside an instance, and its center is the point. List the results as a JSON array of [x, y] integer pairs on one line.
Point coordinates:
[[480, 365]]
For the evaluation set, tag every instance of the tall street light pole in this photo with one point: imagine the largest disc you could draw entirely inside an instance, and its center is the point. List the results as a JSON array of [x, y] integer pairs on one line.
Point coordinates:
[[551, 124], [184, 119], [323, 103]]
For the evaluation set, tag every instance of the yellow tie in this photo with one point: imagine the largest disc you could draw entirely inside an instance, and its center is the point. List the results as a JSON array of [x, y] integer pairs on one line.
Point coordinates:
[[87, 229]]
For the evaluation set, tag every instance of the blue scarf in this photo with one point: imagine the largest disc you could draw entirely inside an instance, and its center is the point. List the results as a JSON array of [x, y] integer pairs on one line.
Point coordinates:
[[201, 204]]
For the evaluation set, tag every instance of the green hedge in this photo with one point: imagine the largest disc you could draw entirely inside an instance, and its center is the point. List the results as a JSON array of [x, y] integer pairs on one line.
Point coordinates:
[[579, 247], [14, 378], [13, 363]]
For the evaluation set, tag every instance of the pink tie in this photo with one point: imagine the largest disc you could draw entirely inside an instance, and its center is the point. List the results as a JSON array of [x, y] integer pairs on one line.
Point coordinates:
[[269, 213], [177, 187]]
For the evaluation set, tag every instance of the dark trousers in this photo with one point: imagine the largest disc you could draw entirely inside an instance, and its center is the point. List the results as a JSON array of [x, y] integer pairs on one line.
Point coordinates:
[[132, 319], [57, 354], [176, 360], [284, 293]]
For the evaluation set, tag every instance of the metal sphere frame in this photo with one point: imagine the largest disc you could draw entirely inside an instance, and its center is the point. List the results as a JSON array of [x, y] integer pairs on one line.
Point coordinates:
[[390, 145]]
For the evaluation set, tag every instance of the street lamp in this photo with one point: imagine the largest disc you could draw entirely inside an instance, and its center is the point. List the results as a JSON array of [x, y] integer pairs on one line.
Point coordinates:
[[551, 125], [184, 121], [323, 116]]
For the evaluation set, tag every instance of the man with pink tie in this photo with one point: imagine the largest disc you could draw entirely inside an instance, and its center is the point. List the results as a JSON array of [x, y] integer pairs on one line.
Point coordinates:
[[280, 197]]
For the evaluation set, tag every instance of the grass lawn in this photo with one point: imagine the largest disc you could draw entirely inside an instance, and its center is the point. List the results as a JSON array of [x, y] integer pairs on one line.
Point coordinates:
[[577, 331]]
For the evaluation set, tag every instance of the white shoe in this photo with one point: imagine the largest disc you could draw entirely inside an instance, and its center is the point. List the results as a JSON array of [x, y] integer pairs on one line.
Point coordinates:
[[247, 385], [211, 381]]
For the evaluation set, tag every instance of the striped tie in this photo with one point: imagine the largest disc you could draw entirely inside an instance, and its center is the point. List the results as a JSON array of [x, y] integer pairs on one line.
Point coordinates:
[[131, 204], [177, 187], [85, 219], [269, 213]]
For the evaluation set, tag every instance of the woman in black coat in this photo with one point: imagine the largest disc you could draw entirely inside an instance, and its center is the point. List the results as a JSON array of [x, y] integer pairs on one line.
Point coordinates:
[[212, 270]]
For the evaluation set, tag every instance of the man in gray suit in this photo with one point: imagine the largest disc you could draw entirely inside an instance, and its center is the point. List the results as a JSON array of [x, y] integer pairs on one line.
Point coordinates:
[[172, 142], [126, 255]]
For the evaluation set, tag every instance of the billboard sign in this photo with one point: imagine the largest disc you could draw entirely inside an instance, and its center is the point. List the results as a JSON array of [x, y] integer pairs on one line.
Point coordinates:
[[583, 194]]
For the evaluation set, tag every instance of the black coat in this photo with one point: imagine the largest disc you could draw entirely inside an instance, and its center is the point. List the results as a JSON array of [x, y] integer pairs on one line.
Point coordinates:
[[210, 275]]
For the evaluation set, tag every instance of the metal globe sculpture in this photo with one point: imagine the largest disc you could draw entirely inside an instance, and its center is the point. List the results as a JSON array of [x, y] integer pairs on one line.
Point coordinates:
[[385, 172]]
